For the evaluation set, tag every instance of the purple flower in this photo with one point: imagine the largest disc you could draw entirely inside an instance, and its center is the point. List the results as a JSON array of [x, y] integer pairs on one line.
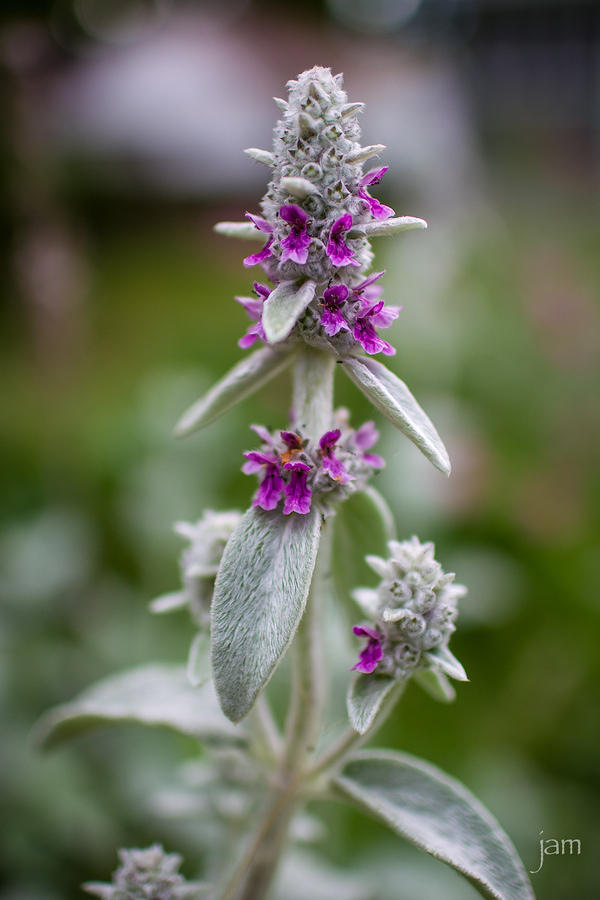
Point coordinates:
[[371, 655], [329, 460], [378, 210], [295, 245], [294, 445], [266, 251], [270, 489], [364, 329], [332, 319], [297, 492], [367, 290], [382, 317], [364, 438], [337, 250], [254, 307]]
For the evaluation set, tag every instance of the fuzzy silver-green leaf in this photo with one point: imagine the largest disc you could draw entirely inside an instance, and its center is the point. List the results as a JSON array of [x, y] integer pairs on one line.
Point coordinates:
[[283, 307], [392, 397], [246, 377], [365, 698], [260, 594], [155, 695], [438, 814]]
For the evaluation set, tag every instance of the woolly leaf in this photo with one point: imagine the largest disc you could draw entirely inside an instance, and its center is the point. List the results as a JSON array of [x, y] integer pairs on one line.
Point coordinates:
[[247, 231], [260, 595], [392, 397], [439, 815], [365, 697], [393, 226], [283, 307], [246, 377], [156, 695]]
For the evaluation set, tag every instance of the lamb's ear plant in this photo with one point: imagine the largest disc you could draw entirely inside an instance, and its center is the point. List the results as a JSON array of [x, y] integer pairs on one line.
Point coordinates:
[[256, 583]]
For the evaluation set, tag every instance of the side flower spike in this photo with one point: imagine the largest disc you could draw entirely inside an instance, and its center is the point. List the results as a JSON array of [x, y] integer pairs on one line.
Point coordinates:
[[414, 608]]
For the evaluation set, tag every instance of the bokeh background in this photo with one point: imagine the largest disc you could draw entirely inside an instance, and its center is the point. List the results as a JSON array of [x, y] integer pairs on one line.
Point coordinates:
[[123, 125]]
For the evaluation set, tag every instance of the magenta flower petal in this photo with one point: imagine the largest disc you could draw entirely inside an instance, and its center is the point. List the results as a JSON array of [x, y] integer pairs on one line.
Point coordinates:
[[293, 440], [364, 332], [378, 210], [385, 316], [329, 460], [261, 289], [371, 655], [337, 250], [373, 459], [297, 493], [366, 436], [255, 258], [256, 460], [270, 489], [295, 245], [368, 281], [266, 251], [264, 434], [332, 319], [330, 439], [374, 176], [252, 335], [252, 306], [293, 215]]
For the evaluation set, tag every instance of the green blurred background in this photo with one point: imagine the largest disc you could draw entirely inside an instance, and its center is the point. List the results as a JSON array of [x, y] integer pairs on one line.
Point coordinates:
[[124, 124]]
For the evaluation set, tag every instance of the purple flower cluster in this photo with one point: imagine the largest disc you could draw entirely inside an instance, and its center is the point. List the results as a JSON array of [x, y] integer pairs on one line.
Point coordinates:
[[355, 311], [291, 468], [295, 246]]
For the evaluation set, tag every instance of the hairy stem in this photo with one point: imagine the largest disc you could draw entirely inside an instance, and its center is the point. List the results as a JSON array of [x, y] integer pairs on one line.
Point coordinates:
[[352, 740], [252, 879]]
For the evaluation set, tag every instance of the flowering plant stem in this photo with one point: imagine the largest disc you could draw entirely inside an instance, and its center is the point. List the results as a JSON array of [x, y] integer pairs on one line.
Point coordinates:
[[313, 409], [255, 583]]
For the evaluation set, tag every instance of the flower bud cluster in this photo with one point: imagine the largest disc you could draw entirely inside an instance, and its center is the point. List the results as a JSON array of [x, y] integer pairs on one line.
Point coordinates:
[[149, 874], [300, 472], [316, 214], [412, 614]]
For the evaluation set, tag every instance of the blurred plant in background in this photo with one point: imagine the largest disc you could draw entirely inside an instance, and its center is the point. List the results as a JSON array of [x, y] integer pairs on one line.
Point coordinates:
[[502, 302]]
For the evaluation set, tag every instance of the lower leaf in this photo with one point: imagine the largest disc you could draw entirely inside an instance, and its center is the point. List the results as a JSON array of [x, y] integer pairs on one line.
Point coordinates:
[[155, 695], [260, 594], [439, 815]]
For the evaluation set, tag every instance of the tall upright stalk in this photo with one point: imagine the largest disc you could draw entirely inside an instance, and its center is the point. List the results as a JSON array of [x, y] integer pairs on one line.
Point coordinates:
[[253, 877]]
